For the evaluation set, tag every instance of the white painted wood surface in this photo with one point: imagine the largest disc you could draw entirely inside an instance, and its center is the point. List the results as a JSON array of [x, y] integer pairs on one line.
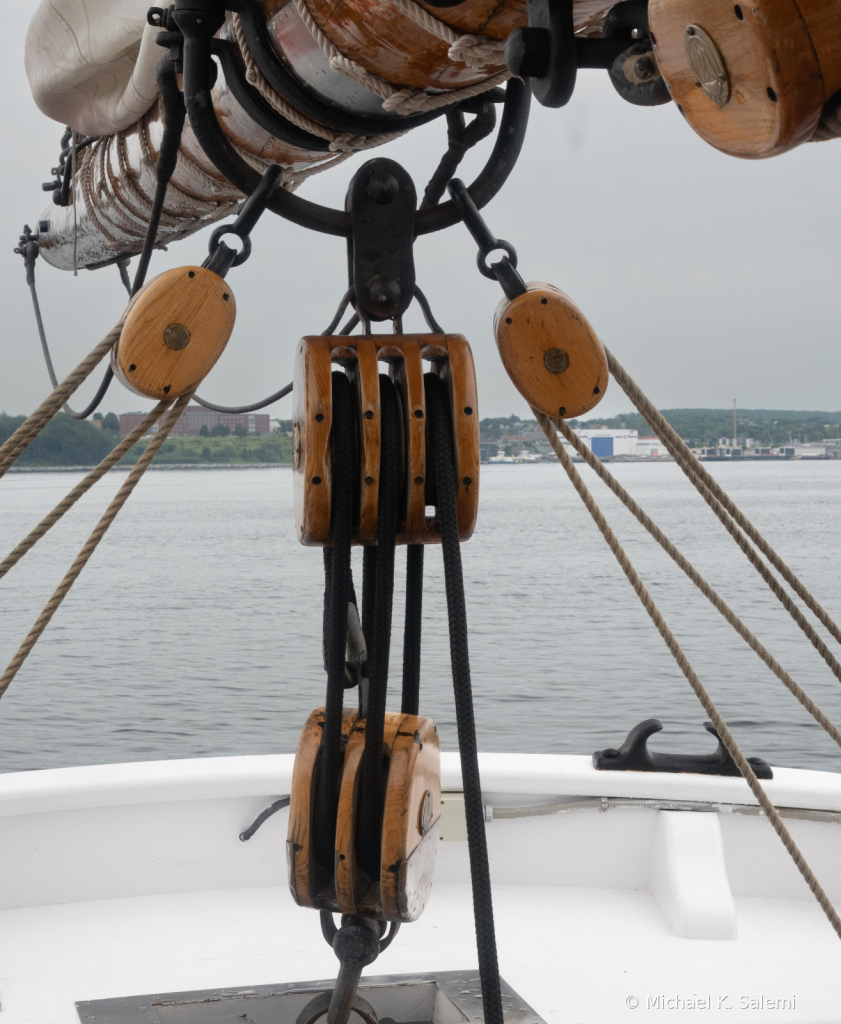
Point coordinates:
[[131, 879]]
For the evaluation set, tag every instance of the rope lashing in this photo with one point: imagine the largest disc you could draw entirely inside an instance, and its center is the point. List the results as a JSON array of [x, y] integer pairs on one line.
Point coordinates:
[[717, 498], [405, 100], [84, 485], [475, 52], [698, 687], [32, 426], [92, 542], [709, 592]]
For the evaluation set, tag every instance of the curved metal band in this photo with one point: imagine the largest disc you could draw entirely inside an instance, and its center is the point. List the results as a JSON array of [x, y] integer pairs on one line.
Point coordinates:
[[257, 108], [282, 79], [310, 215]]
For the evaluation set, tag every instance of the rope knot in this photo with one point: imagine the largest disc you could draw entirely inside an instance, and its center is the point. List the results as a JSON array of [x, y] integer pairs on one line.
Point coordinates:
[[477, 52]]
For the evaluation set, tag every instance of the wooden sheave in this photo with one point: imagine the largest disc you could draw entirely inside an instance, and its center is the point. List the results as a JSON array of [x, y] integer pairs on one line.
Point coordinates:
[[751, 78], [407, 357], [177, 326], [411, 809], [551, 353]]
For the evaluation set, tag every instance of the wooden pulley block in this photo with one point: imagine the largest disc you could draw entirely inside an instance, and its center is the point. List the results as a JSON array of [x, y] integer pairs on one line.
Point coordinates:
[[177, 327], [308, 880], [551, 352], [407, 358], [751, 78], [409, 834]]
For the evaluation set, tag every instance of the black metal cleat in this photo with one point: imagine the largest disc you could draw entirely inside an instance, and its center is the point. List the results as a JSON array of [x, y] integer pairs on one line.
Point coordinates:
[[634, 756]]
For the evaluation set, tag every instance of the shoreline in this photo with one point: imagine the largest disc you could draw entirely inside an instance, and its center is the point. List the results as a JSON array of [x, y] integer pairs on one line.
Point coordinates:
[[155, 466]]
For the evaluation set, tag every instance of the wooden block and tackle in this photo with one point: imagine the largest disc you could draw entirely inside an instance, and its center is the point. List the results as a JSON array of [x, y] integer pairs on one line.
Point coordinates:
[[551, 353], [176, 329], [407, 357], [409, 831], [751, 78]]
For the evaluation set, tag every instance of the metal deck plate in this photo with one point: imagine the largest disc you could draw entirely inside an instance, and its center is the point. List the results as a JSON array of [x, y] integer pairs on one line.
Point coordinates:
[[445, 997]]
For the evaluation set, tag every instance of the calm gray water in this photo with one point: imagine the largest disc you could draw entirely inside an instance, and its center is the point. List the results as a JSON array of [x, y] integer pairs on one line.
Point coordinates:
[[195, 629]]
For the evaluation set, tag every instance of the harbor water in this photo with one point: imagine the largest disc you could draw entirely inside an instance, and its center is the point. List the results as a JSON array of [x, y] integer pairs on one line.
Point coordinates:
[[196, 629]]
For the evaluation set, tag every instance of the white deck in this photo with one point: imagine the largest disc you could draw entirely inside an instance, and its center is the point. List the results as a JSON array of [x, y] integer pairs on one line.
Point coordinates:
[[130, 879]]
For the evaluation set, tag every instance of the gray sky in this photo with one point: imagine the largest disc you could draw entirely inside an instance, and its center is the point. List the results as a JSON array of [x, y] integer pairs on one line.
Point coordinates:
[[710, 278]]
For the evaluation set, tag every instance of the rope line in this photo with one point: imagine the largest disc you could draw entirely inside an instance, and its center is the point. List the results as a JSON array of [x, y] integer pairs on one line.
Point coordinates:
[[403, 100], [698, 687], [709, 489], [474, 51], [81, 488], [708, 591], [34, 424], [441, 436], [340, 142], [92, 542]]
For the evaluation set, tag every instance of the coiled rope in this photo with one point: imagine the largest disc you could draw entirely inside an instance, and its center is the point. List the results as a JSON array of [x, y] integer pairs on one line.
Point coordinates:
[[474, 51], [92, 542]]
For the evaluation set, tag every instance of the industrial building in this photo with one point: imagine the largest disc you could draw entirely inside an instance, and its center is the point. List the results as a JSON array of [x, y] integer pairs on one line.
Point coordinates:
[[195, 417]]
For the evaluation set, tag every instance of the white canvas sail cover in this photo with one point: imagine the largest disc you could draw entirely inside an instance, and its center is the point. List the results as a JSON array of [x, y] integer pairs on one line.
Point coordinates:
[[91, 63]]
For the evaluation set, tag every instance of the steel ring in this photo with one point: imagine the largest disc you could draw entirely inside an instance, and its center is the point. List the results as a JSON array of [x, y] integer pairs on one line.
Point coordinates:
[[482, 255], [225, 229]]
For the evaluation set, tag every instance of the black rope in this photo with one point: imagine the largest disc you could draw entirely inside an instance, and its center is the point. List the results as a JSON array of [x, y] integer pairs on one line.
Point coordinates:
[[343, 438], [30, 254], [369, 828], [412, 630], [369, 589], [173, 115], [284, 391], [440, 425], [460, 138]]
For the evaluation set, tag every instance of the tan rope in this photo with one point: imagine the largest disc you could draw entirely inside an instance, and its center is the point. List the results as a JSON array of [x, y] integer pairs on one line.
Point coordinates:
[[401, 101], [34, 424], [340, 142], [474, 51], [90, 545], [709, 592], [84, 485], [698, 687], [705, 483]]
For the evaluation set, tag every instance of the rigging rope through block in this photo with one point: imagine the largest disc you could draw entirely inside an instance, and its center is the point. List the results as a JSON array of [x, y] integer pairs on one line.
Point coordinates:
[[411, 807], [450, 357]]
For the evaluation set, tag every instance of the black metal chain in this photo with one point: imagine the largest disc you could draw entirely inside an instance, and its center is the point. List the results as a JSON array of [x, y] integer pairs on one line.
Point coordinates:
[[440, 427]]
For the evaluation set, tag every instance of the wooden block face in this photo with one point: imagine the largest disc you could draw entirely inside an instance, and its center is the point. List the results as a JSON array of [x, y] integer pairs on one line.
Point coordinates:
[[412, 810], [748, 77], [551, 352], [408, 358], [311, 423], [306, 880], [175, 331]]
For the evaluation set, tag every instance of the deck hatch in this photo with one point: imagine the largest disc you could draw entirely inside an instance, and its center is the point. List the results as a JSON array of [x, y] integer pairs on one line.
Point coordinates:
[[444, 997]]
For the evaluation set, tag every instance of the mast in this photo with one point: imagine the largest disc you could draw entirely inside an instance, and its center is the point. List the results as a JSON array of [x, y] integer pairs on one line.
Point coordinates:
[[735, 439]]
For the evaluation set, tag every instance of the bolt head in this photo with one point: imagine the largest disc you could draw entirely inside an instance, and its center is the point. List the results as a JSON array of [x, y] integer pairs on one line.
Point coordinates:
[[384, 292], [555, 360], [383, 188], [176, 337]]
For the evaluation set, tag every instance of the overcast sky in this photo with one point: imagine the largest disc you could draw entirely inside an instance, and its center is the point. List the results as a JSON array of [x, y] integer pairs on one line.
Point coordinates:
[[710, 278]]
